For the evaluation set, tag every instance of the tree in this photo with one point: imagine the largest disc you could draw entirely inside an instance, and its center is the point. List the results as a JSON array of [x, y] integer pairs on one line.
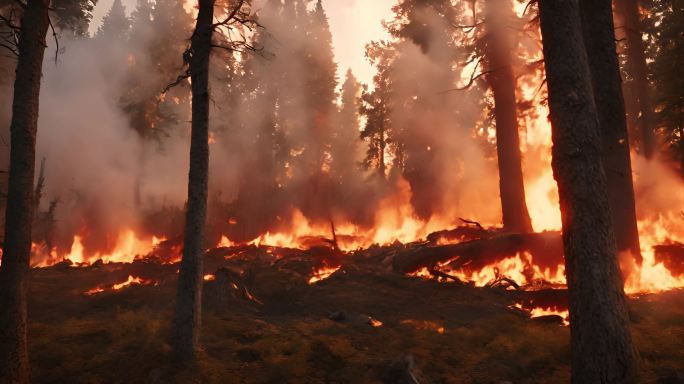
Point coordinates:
[[599, 40], [602, 350], [376, 107], [73, 15], [345, 138], [115, 24], [665, 69], [320, 82], [14, 365], [188, 313], [628, 10], [502, 82]]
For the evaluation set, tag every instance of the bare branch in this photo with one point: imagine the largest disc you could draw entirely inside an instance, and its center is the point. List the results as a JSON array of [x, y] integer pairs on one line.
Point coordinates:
[[54, 36], [468, 28], [472, 80], [231, 15], [178, 80]]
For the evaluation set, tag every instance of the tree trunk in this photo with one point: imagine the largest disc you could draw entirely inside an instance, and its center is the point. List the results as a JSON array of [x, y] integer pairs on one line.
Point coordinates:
[[602, 350], [636, 65], [516, 218], [187, 320], [14, 365], [599, 40]]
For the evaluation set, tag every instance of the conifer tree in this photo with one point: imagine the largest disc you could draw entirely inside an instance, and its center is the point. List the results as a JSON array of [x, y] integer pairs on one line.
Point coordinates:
[[115, 24]]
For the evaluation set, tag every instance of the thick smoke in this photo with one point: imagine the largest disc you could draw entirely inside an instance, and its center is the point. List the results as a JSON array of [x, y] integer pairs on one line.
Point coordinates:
[[116, 162], [271, 152]]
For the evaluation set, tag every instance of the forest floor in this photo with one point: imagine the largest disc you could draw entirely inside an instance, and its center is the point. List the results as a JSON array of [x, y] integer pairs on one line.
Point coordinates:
[[271, 326]]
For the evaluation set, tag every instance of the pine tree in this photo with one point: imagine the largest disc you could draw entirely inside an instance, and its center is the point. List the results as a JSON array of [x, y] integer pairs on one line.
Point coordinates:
[[188, 314], [345, 141], [599, 39], [602, 349], [115, 24], [502, 82], [665, 69], [376, 107], [320, 83], [14, 271], [636, 66], [73, 15]]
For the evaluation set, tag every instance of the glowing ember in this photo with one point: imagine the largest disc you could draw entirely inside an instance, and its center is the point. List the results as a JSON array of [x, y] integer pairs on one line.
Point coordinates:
[[132, 280], [322, 274], [209, 277], [424, 325], [375, 323]]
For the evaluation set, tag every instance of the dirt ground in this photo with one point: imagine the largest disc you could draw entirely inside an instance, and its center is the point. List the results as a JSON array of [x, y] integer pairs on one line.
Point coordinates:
[[268, 325]]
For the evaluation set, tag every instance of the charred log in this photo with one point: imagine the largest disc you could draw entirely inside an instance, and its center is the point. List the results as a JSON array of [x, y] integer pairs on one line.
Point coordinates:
[[546, 249]]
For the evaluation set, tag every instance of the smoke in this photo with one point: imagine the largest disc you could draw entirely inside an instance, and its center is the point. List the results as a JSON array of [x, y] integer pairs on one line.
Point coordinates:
[[274, 118], [268, 157]]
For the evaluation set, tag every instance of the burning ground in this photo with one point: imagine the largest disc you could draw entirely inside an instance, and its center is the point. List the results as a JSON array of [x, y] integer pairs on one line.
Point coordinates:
[[316, 314]]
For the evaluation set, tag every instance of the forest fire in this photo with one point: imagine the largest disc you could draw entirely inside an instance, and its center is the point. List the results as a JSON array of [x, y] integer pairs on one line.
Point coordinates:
[[233, 205], [396, 224]]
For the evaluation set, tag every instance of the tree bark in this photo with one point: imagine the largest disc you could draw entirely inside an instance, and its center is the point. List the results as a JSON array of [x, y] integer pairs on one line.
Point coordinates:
[[599, 40], [636, 65], [602, 349], [187, 320], [516, 217], [14, 364]]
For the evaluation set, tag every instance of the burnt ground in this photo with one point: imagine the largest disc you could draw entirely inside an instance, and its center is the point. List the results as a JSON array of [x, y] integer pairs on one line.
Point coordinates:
[[276, 328]]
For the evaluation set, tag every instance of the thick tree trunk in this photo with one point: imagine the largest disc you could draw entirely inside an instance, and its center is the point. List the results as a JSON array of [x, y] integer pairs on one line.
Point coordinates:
[[599, 40], [636, 65], [187, 320], [516, 218], [602, 349], [14, 365]]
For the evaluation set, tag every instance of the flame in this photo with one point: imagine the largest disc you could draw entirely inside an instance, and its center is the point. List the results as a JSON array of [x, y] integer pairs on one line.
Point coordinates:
[[225, 242], [322, 274], [209, 277], [132, 280], [545, 311], [127, 248]]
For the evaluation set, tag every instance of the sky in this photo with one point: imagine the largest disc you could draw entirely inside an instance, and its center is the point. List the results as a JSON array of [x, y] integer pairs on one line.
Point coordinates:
[[353, 23]]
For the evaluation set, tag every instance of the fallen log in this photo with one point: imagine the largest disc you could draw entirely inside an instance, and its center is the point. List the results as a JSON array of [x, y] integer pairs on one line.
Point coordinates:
[[546, 249], [472, 230]]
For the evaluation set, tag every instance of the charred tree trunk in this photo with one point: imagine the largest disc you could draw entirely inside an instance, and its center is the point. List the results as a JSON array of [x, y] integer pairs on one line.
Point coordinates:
[[602, 349], [14, 364], [516, 217], [636, 65], [599, 40], [187, 320]]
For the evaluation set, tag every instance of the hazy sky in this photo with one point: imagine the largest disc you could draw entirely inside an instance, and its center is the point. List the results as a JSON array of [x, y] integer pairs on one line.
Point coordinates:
[[353, 24]]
